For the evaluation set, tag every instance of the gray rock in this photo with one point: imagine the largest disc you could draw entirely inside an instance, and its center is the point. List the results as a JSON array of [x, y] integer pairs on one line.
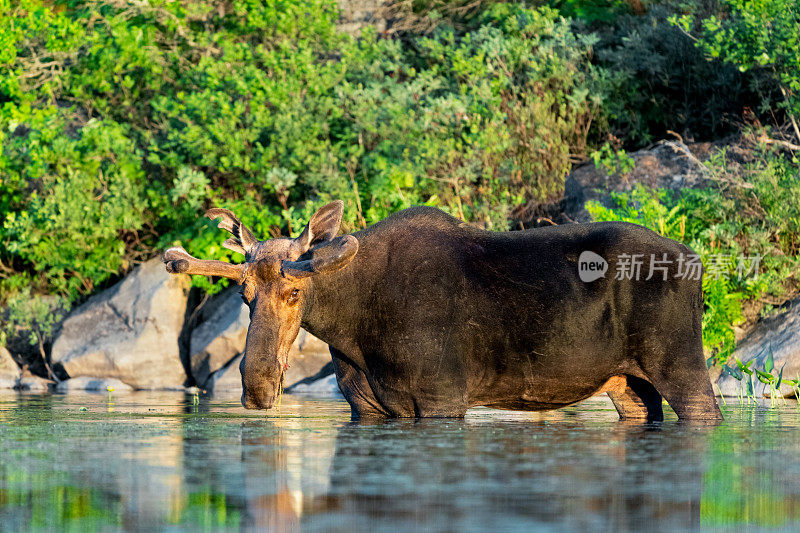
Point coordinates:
[[779, 334], [128, 332], [668, 165], [219, 339], [34, 384], [93, 384], [306, 358], [227, 379], [9, 371], [326, 386]]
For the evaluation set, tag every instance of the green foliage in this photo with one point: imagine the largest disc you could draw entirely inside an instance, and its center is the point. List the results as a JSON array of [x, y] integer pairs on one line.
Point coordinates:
[[121, 122], [35, 315], [613, 161], [747, 214], [770, 377], [603, 11], [81, 193], [483, 122], [754, 34], [657, 81]]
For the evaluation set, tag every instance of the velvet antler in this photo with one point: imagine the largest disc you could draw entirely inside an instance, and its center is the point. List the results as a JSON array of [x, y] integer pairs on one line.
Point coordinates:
[[178, 261], [243, 240]]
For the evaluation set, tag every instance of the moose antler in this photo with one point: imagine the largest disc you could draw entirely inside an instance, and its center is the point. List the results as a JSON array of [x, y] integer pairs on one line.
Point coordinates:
[[243, 241], [178, 261]]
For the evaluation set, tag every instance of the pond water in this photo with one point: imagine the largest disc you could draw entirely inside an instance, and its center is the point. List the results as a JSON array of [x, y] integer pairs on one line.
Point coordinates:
[[155, 461]]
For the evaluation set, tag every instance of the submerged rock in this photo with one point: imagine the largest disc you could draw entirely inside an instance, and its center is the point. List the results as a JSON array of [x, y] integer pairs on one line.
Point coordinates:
[[93, 384], [34, 384], [779, 335], [128, 332]]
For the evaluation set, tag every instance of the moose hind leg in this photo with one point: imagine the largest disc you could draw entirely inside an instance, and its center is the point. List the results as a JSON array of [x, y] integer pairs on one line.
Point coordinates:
[[636, 399]]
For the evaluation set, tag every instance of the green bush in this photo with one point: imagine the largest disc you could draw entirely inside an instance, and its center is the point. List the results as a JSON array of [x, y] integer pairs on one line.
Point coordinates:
[[658, 81], [120, 123], [746, 213], [760, 34], [595, 11]]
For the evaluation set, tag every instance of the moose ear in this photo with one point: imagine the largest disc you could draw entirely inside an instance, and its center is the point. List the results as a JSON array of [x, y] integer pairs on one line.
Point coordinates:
[[323, 226], [328, 257]]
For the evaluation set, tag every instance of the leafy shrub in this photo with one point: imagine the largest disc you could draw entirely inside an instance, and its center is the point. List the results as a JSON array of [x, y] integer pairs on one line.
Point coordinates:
[[481, 123], [748, 213], [657, 81], [120, 123], [759, 35], [83, 194], [596, 11]]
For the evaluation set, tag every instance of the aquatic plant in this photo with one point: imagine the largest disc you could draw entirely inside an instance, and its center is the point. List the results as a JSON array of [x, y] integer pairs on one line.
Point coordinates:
[[749, 375]]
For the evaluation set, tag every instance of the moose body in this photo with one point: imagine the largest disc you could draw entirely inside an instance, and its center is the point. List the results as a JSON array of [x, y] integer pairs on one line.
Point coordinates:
[[427, 316]]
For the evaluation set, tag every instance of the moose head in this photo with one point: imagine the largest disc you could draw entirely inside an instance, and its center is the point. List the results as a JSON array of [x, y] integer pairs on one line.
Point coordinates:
[[274, 279]]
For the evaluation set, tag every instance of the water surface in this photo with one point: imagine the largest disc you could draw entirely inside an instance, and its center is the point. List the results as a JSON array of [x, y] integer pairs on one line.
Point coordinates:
[[158, 461]]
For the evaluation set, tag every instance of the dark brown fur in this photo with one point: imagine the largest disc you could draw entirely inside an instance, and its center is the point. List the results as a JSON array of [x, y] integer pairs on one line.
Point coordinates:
[[431, 317]]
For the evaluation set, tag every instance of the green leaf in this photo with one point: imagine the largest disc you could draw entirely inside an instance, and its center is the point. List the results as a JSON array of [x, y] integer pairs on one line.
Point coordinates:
[[769, 363]]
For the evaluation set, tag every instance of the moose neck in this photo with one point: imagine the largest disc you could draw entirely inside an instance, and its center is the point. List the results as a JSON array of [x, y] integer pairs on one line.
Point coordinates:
[[332, 306]]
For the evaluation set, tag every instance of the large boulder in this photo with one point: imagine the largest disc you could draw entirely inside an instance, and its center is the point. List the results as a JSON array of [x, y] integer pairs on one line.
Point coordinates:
[[9, 371], [129, 331], [667, 165], [221, 337], [308, 357], [779, 335]]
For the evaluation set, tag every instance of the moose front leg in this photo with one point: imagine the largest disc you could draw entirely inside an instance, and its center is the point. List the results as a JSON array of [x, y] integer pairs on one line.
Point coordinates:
[[434, 399], [355, 388]]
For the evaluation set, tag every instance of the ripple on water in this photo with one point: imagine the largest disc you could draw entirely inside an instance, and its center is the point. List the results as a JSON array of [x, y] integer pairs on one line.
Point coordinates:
[[166, 460]]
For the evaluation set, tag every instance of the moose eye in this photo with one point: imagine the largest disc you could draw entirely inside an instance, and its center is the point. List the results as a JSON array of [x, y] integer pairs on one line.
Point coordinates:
[[293, 296]]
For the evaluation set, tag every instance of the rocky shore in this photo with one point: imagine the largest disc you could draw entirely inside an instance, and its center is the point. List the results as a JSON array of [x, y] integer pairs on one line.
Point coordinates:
[[143, 334], [149, 331]]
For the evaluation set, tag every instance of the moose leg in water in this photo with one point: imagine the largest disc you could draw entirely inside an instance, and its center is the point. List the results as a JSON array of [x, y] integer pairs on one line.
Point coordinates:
[[634, 398]]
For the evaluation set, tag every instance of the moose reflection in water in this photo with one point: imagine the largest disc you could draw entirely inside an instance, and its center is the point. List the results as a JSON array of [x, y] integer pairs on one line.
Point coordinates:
[[563, 470], [493, 478], [466, 474], [149, 460]]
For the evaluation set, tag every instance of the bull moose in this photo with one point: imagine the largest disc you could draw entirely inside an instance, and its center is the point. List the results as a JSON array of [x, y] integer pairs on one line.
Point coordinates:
[[427, 316]]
